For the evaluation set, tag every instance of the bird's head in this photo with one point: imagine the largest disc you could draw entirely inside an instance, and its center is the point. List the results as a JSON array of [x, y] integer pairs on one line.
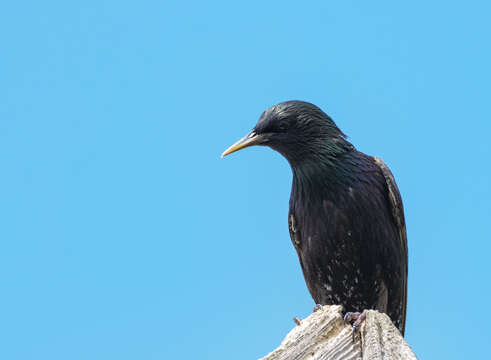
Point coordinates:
[[298, 130]]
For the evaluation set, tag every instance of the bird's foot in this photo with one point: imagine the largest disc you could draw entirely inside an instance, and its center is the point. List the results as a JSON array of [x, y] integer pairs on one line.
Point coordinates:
[[317, 307], [358, 320]]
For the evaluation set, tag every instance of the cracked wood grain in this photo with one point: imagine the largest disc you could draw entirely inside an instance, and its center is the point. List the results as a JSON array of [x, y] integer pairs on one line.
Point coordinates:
[[324, 335]]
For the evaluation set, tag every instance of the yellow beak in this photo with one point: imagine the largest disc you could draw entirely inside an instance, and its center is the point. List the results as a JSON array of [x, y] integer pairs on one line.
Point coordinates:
[[250, 139]]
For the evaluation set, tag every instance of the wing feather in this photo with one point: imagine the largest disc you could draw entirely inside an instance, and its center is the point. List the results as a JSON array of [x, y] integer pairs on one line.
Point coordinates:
[[398, 214]]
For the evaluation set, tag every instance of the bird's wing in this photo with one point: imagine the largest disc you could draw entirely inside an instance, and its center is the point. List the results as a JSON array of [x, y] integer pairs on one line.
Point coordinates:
[[398, 213]]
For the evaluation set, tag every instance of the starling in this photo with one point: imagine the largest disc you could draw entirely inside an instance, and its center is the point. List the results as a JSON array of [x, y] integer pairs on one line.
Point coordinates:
[[346, 219]]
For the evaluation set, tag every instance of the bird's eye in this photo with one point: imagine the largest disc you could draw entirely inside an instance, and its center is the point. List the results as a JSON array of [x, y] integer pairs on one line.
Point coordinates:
[[283, 125]]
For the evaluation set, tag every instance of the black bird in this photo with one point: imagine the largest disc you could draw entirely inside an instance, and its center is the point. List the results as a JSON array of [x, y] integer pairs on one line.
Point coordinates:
[[346, 218]]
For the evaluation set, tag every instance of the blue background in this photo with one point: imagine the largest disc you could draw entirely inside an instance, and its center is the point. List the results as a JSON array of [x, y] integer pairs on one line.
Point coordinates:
[[125, 236]]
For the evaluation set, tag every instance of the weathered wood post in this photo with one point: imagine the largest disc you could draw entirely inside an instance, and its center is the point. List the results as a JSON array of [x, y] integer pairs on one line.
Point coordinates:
[[324, 335]]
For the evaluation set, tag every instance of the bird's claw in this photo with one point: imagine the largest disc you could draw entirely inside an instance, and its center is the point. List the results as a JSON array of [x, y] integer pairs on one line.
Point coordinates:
[[358, 320], [350, 316]]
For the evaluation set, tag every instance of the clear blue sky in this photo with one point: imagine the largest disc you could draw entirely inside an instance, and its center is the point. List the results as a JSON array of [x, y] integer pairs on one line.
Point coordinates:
[[125, 236]]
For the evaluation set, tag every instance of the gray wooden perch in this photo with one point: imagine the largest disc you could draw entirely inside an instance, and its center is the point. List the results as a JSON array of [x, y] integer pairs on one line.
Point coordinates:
[[324, 335]]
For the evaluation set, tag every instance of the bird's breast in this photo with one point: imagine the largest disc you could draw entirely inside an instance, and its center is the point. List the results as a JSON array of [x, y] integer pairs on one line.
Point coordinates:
[[328, 234]]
